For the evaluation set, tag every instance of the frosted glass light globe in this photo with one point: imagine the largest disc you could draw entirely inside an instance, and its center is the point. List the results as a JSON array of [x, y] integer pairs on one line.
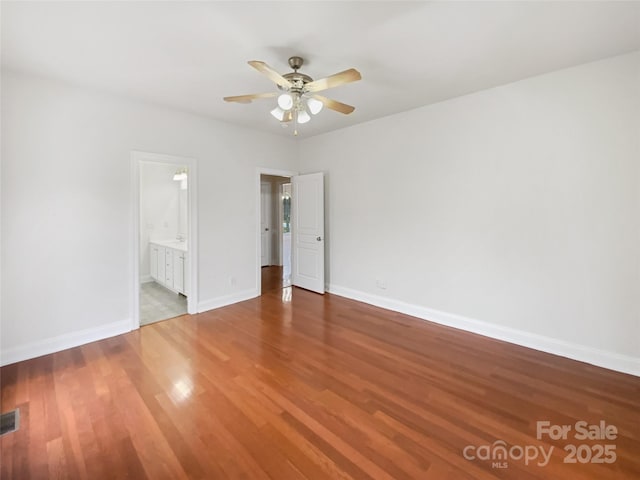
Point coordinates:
[[278, 113], [314, 105], [303, 116], [285, 102]]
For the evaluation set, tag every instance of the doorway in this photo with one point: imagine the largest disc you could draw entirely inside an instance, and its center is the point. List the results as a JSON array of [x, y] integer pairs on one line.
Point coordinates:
[[165, 267], [275, 232], [304, 266]]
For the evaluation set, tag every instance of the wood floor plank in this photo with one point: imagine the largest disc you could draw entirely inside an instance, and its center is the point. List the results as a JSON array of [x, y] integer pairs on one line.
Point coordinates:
[[312, 388]]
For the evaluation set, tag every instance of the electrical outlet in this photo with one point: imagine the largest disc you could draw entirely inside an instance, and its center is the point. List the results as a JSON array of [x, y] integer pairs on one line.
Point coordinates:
[[232, 281], [381, 283]]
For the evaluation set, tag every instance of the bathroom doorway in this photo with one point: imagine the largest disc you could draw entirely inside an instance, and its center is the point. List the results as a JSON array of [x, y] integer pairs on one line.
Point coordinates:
[[164, 281]]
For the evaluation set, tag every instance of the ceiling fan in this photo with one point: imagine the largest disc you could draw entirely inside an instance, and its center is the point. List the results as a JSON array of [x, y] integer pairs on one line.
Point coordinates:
[[299, 97]]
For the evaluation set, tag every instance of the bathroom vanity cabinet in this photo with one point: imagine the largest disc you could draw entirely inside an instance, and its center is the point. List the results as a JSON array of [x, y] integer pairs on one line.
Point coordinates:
[[168, 265]]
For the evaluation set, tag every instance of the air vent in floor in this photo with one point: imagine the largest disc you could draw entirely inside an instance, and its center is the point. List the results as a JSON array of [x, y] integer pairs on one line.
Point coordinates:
[[9, 422]]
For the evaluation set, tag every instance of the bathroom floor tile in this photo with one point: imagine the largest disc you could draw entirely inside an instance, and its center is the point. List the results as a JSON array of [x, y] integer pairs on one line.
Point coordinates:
[[158, 303]]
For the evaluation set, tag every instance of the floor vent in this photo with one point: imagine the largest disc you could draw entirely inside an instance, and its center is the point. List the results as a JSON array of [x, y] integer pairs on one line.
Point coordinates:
[[9, 422]]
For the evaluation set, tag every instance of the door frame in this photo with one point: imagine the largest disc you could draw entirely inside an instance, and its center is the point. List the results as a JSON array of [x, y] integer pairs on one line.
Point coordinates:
[[137, 158], [264, 171]]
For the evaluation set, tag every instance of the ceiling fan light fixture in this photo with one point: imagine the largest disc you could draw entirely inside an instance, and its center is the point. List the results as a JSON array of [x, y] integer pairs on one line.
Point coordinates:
[[278, 113], [303, 116], [314, 105], [285, 101], [298, 99]]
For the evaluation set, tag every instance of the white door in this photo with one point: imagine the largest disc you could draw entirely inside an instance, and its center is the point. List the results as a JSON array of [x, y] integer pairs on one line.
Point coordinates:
[[308, 232], [265, 224]]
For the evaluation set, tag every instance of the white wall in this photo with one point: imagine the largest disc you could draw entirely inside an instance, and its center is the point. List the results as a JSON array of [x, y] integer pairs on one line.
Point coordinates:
[[160, 205], [517, 209], [67, 208]]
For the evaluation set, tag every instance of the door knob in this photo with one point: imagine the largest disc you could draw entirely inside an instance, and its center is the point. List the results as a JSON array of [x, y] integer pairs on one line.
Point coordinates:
[[319, 239]]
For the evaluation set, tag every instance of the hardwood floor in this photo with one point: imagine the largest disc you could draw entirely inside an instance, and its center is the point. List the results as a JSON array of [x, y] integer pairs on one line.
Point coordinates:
[[318, 387], [271, 278]]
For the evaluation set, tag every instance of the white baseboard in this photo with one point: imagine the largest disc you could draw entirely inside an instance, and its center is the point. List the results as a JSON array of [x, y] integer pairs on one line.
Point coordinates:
[[62, 342], [146, 279], [227, 300], [600, 358]]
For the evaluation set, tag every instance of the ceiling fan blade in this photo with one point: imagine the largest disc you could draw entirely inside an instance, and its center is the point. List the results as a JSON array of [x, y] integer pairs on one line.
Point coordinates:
[[270, 73], [248, 98], [335, 105], [348, 76]]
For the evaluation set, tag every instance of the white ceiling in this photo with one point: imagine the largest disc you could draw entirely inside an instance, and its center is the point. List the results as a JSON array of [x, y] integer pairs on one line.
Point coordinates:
[[188, 55]]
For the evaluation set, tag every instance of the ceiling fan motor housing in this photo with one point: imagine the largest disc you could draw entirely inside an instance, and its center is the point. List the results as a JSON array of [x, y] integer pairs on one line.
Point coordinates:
[[296, 62], [298, 80]]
